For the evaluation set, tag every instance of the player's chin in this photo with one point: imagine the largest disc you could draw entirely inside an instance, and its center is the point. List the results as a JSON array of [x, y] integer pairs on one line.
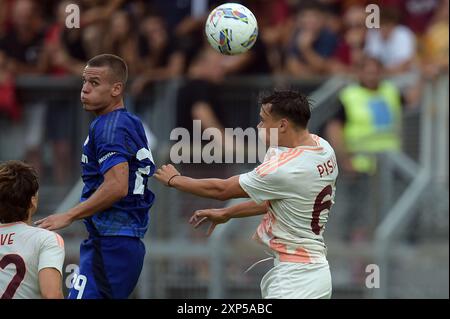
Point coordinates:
[[88, 107]]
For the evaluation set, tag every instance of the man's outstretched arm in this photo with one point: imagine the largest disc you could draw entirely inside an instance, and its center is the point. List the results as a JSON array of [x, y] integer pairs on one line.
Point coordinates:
[[221, 189], [222, 215], [113, 189]]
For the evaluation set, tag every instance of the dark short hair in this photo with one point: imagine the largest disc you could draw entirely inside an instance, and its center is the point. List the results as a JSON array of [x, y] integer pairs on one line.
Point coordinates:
[[18, 184], [290, 104], [116, 64]]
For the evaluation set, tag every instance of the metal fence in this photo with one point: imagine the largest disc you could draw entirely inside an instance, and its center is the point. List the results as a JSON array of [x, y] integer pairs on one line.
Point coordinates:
[[182, 263]]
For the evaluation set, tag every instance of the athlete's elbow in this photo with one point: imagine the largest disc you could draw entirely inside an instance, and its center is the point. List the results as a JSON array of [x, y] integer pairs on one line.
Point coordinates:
[[223, 191], [118, 190], [122, 192], [223, 195]]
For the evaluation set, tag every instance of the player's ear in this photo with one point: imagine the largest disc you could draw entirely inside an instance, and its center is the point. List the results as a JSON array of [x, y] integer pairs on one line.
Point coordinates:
[[34, 203], [117, 89], [283, 125]]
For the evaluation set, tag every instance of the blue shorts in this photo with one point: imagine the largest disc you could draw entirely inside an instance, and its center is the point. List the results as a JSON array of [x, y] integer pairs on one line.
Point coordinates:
[[109, 268]]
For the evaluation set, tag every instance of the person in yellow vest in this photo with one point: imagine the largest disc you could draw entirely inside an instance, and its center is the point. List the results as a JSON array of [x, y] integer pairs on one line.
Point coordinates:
[[368, 123]]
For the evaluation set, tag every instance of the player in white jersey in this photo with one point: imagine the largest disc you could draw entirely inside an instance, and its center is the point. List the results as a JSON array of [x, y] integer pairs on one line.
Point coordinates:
[[294, 188], [31, 258]]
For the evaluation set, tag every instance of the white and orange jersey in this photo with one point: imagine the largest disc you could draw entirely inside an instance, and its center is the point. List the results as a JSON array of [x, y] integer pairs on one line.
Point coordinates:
[[24, 251], [298, 185]]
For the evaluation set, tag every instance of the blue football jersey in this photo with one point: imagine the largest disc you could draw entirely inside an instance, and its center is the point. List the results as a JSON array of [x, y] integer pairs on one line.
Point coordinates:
[[115, 138]]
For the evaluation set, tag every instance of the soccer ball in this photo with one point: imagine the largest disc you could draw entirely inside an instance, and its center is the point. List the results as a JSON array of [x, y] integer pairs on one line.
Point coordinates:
[[231, 29]]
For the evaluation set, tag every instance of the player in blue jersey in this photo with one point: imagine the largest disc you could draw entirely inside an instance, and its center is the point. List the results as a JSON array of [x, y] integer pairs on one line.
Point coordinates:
[[116, 164]]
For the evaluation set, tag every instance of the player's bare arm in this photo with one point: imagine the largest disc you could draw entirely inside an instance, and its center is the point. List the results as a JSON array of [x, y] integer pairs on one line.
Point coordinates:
[[223, 215], [114, 188], [221, 189], [50, 284]]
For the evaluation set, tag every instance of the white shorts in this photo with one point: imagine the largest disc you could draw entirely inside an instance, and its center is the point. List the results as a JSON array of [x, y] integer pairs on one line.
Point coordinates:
[[287, 280]]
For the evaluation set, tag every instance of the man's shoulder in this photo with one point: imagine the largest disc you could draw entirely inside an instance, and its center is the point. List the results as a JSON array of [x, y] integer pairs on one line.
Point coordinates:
[[324, 143], [116, 120], [43, 234], [122, 117], [38, 236], [131, 118]]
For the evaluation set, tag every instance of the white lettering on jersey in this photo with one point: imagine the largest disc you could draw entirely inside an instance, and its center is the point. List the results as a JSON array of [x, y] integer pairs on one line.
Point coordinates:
[[328, 167], [105, 157], [79, 284], [144, 153], [7, 239], [139, 186]]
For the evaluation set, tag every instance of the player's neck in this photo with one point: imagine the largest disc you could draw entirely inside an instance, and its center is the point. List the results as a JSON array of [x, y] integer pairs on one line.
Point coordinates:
[[111, 108], [302, 138], [28, 221]]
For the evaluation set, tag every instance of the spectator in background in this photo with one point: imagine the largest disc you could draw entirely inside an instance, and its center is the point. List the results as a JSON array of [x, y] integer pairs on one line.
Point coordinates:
[[368, 122], [137, 10], [175, 12], [94, 22], [350, 49], [415, 14], [22, 46], [393, 44], [159, 58], [4, 13], [274, 25], [121, 40], [185, 21], [433, 52], [333, 15], [64, 51], [63, 55], [198, 99], [435, 43], [312, 43], [9, 106]]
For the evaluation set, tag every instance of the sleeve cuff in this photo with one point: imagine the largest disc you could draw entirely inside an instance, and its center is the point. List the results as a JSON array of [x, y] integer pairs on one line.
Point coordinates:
[[59, 268], [243, 181], [111, 162]]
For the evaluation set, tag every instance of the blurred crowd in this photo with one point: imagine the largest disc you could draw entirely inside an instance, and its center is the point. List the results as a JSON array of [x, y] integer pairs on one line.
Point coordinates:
[[163, 39]]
